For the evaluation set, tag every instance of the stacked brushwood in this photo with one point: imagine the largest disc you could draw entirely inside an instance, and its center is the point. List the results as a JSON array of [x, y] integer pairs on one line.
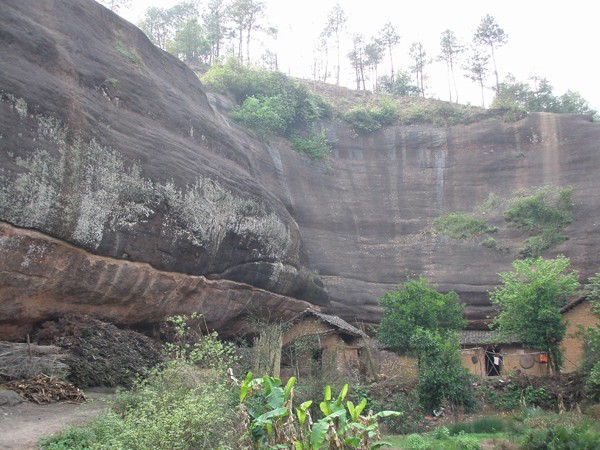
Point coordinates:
[[45, 389], [99, 353], [24, 360]]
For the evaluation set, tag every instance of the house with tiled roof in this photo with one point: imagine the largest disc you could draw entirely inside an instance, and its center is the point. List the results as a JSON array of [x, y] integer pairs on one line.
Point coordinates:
[[486, 354], [314, 342]]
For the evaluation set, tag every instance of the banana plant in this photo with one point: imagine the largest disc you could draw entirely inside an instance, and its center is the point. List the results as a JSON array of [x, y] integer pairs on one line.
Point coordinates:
[[275, 424]]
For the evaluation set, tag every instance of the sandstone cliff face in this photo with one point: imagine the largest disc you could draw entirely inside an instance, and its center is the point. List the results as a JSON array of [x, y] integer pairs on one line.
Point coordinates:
[[154, 203]]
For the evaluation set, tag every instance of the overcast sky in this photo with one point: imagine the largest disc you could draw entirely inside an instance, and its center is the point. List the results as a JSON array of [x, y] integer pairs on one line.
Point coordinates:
[[555, 40]]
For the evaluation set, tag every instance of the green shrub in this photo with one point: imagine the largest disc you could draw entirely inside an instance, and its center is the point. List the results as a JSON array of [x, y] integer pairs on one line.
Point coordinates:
[[178, 407], [265, 116], [73, 438], [184, 403], [592, 384], [316, 145], [441, 433], [562, 436], [465, 442], [268, 102], [543, 214], [417, 442], [369, 118], [489, 242], [462, 226], [443, 380], [129, 54], [410, 421], [491, 203], [488, 424]]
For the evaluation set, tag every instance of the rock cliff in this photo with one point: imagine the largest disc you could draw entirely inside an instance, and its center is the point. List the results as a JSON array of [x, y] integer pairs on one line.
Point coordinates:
[[127, 193]]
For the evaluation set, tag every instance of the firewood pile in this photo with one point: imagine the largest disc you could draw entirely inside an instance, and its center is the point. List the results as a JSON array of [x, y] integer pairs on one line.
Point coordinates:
[[45, 389], [24, 360], [99, 353]]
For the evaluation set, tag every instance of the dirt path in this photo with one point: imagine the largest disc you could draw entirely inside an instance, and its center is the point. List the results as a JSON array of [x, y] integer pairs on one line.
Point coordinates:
[[22, 425]]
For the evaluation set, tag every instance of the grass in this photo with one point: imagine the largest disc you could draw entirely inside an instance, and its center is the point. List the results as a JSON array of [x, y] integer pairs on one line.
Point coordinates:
[[130, 55], [464, 441], [462, 226], [530, 429]]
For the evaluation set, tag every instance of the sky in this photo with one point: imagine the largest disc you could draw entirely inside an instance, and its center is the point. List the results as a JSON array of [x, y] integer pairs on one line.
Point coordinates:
[[554, 40]]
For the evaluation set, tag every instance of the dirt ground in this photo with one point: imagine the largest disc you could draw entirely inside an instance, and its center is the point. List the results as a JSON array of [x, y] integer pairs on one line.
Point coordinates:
[[23, 424]]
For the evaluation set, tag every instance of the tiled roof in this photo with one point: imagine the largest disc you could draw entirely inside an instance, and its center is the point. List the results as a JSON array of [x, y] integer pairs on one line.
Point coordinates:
[[472, 337], [331, 320]]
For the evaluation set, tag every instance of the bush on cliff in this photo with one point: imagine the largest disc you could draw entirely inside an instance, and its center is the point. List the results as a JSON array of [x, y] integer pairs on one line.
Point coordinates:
[[270, 103]]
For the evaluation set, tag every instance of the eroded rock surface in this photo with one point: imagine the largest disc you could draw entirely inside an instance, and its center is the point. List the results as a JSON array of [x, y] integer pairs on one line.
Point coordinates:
[[127, 194]]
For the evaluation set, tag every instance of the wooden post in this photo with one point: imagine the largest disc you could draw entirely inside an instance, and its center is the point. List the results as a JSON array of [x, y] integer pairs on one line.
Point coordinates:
[[368, 350]]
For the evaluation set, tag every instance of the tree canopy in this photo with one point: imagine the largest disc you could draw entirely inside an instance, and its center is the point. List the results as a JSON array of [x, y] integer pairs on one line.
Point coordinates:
[[489, 34], [417, 305], [530, 300]]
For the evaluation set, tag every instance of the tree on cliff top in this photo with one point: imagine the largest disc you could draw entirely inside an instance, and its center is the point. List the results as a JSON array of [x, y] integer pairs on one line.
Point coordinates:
[[417, 305], [489, 34], [530, 300]]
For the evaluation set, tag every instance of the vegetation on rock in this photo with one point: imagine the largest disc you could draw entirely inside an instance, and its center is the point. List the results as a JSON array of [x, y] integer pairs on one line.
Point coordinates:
[[543, 214], [462, 226]]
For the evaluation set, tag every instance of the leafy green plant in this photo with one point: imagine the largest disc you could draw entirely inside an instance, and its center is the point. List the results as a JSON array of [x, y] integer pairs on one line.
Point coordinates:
[[443, 380], [490, 242], [466, 442], [273, 422], [562, 436], [544, 214], [183, 403], [265, 116], [487, 424], [268, 102], [187, 342], [73, 438], [461, 226], [491, 203], [592, 384], [316, 145], [417, 442], [413, 305], [130, 55], [369, 118], [533, 293], [110, 81], [412, 418]]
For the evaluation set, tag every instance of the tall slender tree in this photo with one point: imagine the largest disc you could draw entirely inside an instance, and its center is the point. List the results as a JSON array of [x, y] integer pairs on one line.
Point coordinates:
[[450, 49], [321, 59], [420, 60], [358, 60], [190, 43], [477, 69], [245, 15], [374, 52], [389, 38], [336, 23], [214, 22], [489, 34]]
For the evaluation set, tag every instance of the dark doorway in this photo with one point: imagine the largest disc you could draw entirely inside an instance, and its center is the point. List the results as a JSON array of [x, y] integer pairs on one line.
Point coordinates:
[[493, 362]]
